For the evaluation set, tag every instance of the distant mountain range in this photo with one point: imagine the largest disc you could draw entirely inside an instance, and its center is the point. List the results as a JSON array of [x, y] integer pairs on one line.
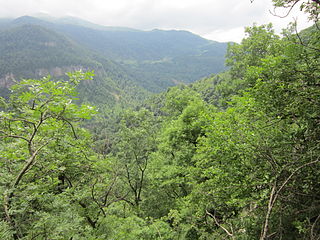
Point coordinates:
[[127, 61]]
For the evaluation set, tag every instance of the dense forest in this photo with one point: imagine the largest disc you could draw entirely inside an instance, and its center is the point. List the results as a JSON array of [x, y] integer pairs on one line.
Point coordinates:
[[235, 155]]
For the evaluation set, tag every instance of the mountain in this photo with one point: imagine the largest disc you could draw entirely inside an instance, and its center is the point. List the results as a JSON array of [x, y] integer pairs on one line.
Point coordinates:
[[34, 51], [80, 22], [156, 59], [24, 49], [128, 62]]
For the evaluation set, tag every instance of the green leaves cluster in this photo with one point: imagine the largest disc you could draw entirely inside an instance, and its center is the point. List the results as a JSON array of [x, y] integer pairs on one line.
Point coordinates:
[[242, 163], [233, 156], [44, 157]]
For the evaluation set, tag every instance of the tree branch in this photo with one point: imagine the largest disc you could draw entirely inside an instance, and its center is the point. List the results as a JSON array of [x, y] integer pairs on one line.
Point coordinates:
[[95, 200], [129, 180], [314, 226], [72, 128], [270, 206], [287, 14], [13, 136], [301, 42], [219, 225], [275, 194], [9, 194], [90, 221]]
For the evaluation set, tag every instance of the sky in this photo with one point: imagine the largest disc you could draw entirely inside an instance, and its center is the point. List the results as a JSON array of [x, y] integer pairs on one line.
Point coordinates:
[[220, 20]]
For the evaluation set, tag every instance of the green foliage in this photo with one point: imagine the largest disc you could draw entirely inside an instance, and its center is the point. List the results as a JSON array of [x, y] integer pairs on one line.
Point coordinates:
[[5, 231], [152, 60], [260, 41], [44, 157], [134, 146], [33, 51], [28, 49], [245, 167], [232, 156]]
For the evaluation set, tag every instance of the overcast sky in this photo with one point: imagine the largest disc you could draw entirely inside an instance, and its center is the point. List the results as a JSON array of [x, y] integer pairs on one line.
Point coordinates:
[[221, 20]]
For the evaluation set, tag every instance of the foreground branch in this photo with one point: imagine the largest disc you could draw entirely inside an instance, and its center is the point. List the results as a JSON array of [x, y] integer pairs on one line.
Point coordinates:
[[275, 194], [219, 225]]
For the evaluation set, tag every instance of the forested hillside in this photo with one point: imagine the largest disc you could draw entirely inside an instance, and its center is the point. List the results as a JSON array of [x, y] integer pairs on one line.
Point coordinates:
[[33, 51], [155, 59], [25, 49], [231, 156]]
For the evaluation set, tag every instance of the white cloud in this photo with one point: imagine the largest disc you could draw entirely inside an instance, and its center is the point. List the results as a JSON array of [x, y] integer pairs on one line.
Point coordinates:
[[214, 19], [230, 35]]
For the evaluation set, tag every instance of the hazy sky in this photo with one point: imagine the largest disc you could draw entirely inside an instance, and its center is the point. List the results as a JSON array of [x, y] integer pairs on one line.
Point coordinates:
[[221, 20]]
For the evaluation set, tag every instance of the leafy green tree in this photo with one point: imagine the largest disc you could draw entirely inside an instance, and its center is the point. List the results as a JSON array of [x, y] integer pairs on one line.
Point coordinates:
[[260, 41], [44, 158], [172, 164], [255, 165], [287, 90], [259, 157], [136, 141]]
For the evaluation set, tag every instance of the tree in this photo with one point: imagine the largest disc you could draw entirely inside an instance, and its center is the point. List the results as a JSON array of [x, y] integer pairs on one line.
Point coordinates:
[[43, 152], [287, 90], [310, 7], [260, 41], [255, 170], [136, 141]]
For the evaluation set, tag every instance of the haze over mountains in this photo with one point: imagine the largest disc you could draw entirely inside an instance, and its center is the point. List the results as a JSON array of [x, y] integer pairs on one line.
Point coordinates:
[[126, 61]]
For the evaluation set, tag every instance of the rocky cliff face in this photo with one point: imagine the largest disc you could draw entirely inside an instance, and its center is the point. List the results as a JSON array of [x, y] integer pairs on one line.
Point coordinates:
[[57, 72], [7, 80]]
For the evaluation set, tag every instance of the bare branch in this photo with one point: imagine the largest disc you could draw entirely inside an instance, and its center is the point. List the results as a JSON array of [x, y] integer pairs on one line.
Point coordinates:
[[89, 219], [72, 128], [301, 42], [13, 136], [270, 206], [275, 194], [129, 180], [27, 166], [314, 226], [109, 191], [293, 173], [287, 14], [219, 225], [95, 200]]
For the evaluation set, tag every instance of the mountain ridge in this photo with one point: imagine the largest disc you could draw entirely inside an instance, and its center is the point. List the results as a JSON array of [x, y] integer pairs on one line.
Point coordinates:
[[33, 51], [149, 60]]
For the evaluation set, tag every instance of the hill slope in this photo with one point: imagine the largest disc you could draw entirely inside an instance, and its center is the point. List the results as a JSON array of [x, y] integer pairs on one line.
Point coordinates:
[[155, 59], [26, 48], [33, 51]]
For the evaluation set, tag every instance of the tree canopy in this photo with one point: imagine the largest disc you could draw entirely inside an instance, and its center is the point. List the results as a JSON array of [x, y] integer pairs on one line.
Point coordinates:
[[232, 156]]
